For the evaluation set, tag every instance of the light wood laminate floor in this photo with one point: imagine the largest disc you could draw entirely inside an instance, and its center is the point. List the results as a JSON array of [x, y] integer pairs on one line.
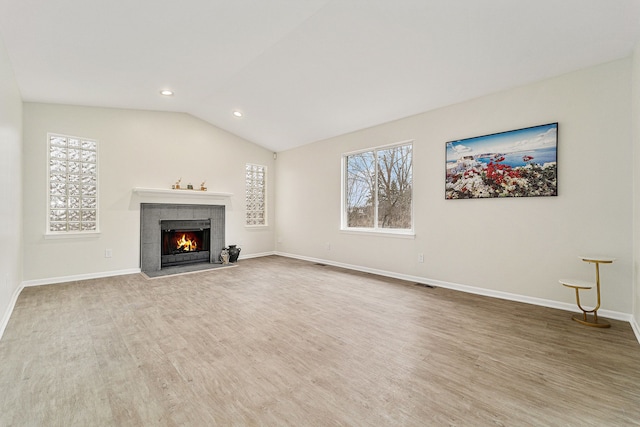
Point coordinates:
[[282, 342]]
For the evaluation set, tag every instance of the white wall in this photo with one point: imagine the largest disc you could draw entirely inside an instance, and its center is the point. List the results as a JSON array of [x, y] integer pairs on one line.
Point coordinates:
[[518, 246], [137, 149], [11, 188]]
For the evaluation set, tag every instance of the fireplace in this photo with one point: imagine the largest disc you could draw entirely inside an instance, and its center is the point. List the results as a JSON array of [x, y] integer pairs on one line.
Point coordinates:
[[185, 242], [178, 234]]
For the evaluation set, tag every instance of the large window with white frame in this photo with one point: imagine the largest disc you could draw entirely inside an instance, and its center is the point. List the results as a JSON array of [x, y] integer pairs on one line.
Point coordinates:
[[256, 195], [72, 182], [378, 189]]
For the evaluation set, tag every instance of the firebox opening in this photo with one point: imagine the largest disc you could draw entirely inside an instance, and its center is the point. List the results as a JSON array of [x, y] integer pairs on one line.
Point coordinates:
[[181, 241], [185, 242]]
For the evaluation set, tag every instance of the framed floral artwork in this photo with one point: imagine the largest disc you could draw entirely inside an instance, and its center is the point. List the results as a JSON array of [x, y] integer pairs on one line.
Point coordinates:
[[516, 163]]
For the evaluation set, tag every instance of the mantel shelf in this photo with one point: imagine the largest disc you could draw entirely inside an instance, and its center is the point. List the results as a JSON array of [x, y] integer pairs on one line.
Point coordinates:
[[180, 193]]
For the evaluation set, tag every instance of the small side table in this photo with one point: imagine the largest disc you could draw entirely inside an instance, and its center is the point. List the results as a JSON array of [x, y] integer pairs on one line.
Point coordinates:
[[579, 285]]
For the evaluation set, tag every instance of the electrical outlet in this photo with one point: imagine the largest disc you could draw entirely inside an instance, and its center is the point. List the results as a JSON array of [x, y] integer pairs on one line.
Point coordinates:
[[420, 257], [108, 253]]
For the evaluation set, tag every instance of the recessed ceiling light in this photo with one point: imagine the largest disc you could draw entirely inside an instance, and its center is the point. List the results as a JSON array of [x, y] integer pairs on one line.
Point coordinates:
[[237, 113], [166, 92]]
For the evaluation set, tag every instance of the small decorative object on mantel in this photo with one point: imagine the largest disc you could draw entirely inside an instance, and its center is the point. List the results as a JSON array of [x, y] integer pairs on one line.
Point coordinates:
[[178, 186], [224, 256], [234, 253]]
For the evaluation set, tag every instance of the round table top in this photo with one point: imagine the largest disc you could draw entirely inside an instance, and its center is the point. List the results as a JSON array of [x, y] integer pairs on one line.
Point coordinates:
[[601, 259]]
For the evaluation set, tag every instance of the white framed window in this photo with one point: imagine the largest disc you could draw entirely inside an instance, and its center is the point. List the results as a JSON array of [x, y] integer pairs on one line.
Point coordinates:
[[377, 189], [72, 185], [256, 195]]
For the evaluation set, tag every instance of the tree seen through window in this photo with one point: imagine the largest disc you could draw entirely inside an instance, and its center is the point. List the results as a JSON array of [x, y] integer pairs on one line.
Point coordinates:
[[378, 188]]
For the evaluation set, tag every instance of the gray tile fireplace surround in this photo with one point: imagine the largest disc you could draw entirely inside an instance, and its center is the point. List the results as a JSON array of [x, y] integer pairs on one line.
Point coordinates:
[[150, 234]]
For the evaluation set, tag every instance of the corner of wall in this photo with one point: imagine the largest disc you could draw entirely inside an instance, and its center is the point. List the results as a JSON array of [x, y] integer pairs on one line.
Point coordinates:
[[11, 167], [635, 135], [9, 309]]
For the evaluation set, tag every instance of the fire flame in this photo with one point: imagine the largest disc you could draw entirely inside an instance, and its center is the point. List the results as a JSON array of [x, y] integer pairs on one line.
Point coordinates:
[[186, 244]]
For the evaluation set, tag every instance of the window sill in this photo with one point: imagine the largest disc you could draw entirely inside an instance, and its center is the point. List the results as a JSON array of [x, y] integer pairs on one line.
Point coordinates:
[[398, 234], [68, 235]]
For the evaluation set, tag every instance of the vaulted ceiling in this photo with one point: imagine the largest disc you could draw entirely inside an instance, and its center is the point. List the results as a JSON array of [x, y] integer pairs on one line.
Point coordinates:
[[302, 70]]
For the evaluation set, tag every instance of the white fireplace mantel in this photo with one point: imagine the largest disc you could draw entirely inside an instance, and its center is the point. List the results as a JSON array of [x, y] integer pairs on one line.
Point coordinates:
[[180, 194]]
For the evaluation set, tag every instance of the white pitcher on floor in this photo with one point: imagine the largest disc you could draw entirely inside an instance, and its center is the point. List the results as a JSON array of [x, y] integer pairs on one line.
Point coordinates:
[[224, 256]]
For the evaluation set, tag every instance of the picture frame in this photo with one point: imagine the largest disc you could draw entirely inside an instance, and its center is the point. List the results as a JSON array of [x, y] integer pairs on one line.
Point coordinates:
[[515, 163]]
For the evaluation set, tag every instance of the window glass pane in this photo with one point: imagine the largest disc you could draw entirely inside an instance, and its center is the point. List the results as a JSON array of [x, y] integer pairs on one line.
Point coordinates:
[[57, 189], [89, 179], [89, 168], [88, 226], [58, 202], [378, 188], [58, 215], [58, 226], [394, 187], [74, 154], [89, 190], [89, 203], [89, 156], [360, 187], [74, 167], [58, 166], [59, 140], [89, 145], [74, 189], [88, 215], [58, 152], [74, 202]]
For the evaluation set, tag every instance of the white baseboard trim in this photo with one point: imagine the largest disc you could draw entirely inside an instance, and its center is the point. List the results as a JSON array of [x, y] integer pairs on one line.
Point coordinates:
[[75, 278], [78, 277], [635, 327], [258, 255], [9, 311], [466, 288], [99, 275]]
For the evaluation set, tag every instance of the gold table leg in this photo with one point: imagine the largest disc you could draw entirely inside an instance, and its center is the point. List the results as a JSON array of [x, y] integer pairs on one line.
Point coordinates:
[[583, 319]]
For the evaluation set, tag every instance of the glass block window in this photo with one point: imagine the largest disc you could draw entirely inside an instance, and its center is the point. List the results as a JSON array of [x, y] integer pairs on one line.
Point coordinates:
[[256, 195], [72, 185]]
